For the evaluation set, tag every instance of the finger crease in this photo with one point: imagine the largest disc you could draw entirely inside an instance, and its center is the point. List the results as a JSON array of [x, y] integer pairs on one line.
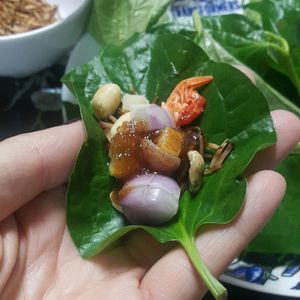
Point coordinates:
[[44, 170]]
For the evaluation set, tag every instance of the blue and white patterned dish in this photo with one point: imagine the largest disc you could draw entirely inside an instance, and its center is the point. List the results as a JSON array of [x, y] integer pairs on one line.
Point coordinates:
[[273, 278], [185, 8]]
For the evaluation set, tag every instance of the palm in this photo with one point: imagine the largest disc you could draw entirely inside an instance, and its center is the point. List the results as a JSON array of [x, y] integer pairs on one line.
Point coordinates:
[[52, 268], [38, 260]]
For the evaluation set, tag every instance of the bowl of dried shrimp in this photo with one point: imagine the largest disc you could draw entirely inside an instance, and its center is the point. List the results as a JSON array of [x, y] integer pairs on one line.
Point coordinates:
[[34, 34]]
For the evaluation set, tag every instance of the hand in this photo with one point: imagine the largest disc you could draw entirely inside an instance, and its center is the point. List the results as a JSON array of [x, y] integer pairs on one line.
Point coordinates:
[[39, 261]]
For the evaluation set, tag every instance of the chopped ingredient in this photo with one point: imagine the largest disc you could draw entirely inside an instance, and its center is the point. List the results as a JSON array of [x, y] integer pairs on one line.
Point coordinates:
[[124, 150], [196, 170], [114, 128], [185, 103], [149, 199], [222, 152], [157, 160], [128, 101], [170, 140], [18, 16], [134, 150]]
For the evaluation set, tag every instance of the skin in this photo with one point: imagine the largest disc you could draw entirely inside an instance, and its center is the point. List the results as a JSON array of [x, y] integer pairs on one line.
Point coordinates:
[[39, 261]]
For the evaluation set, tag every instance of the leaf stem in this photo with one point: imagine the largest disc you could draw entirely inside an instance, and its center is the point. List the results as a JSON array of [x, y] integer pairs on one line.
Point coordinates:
[[281, 45], [215, 287], [198, 26]]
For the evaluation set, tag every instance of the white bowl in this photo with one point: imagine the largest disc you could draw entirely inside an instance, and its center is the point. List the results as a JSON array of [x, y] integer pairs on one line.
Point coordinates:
[[26, 53]]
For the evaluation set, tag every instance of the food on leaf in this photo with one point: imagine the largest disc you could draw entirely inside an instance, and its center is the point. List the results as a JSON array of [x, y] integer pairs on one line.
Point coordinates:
[[158, 160], [222, 152], [149, 199], [128, 101], [170, 140], [146, 144], [155, 116], [185, 103], [196, 170], [113, 129], [106, 100], [124, 150]]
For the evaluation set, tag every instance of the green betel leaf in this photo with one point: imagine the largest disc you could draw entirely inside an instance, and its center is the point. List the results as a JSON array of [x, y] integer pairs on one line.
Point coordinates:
[[271, 11], [113, 22], [282, 19], [281, 234], [152, 65]]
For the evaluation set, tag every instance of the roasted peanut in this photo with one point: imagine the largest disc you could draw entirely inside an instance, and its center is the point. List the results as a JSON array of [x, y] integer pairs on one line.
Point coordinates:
[[196, 170], [106, 100]]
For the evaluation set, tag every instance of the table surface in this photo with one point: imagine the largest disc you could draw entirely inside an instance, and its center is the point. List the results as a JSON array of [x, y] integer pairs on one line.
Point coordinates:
[[20, 112]]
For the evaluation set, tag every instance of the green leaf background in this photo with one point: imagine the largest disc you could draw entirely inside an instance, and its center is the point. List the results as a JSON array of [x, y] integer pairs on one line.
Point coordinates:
[[267, 43], [112, 22]]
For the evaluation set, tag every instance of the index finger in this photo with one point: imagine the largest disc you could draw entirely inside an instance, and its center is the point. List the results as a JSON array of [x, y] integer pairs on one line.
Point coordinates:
[[36, 162]]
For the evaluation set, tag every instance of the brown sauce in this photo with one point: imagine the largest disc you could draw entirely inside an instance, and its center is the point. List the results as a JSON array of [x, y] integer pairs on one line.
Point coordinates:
[[126, 156], [124, 150]]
